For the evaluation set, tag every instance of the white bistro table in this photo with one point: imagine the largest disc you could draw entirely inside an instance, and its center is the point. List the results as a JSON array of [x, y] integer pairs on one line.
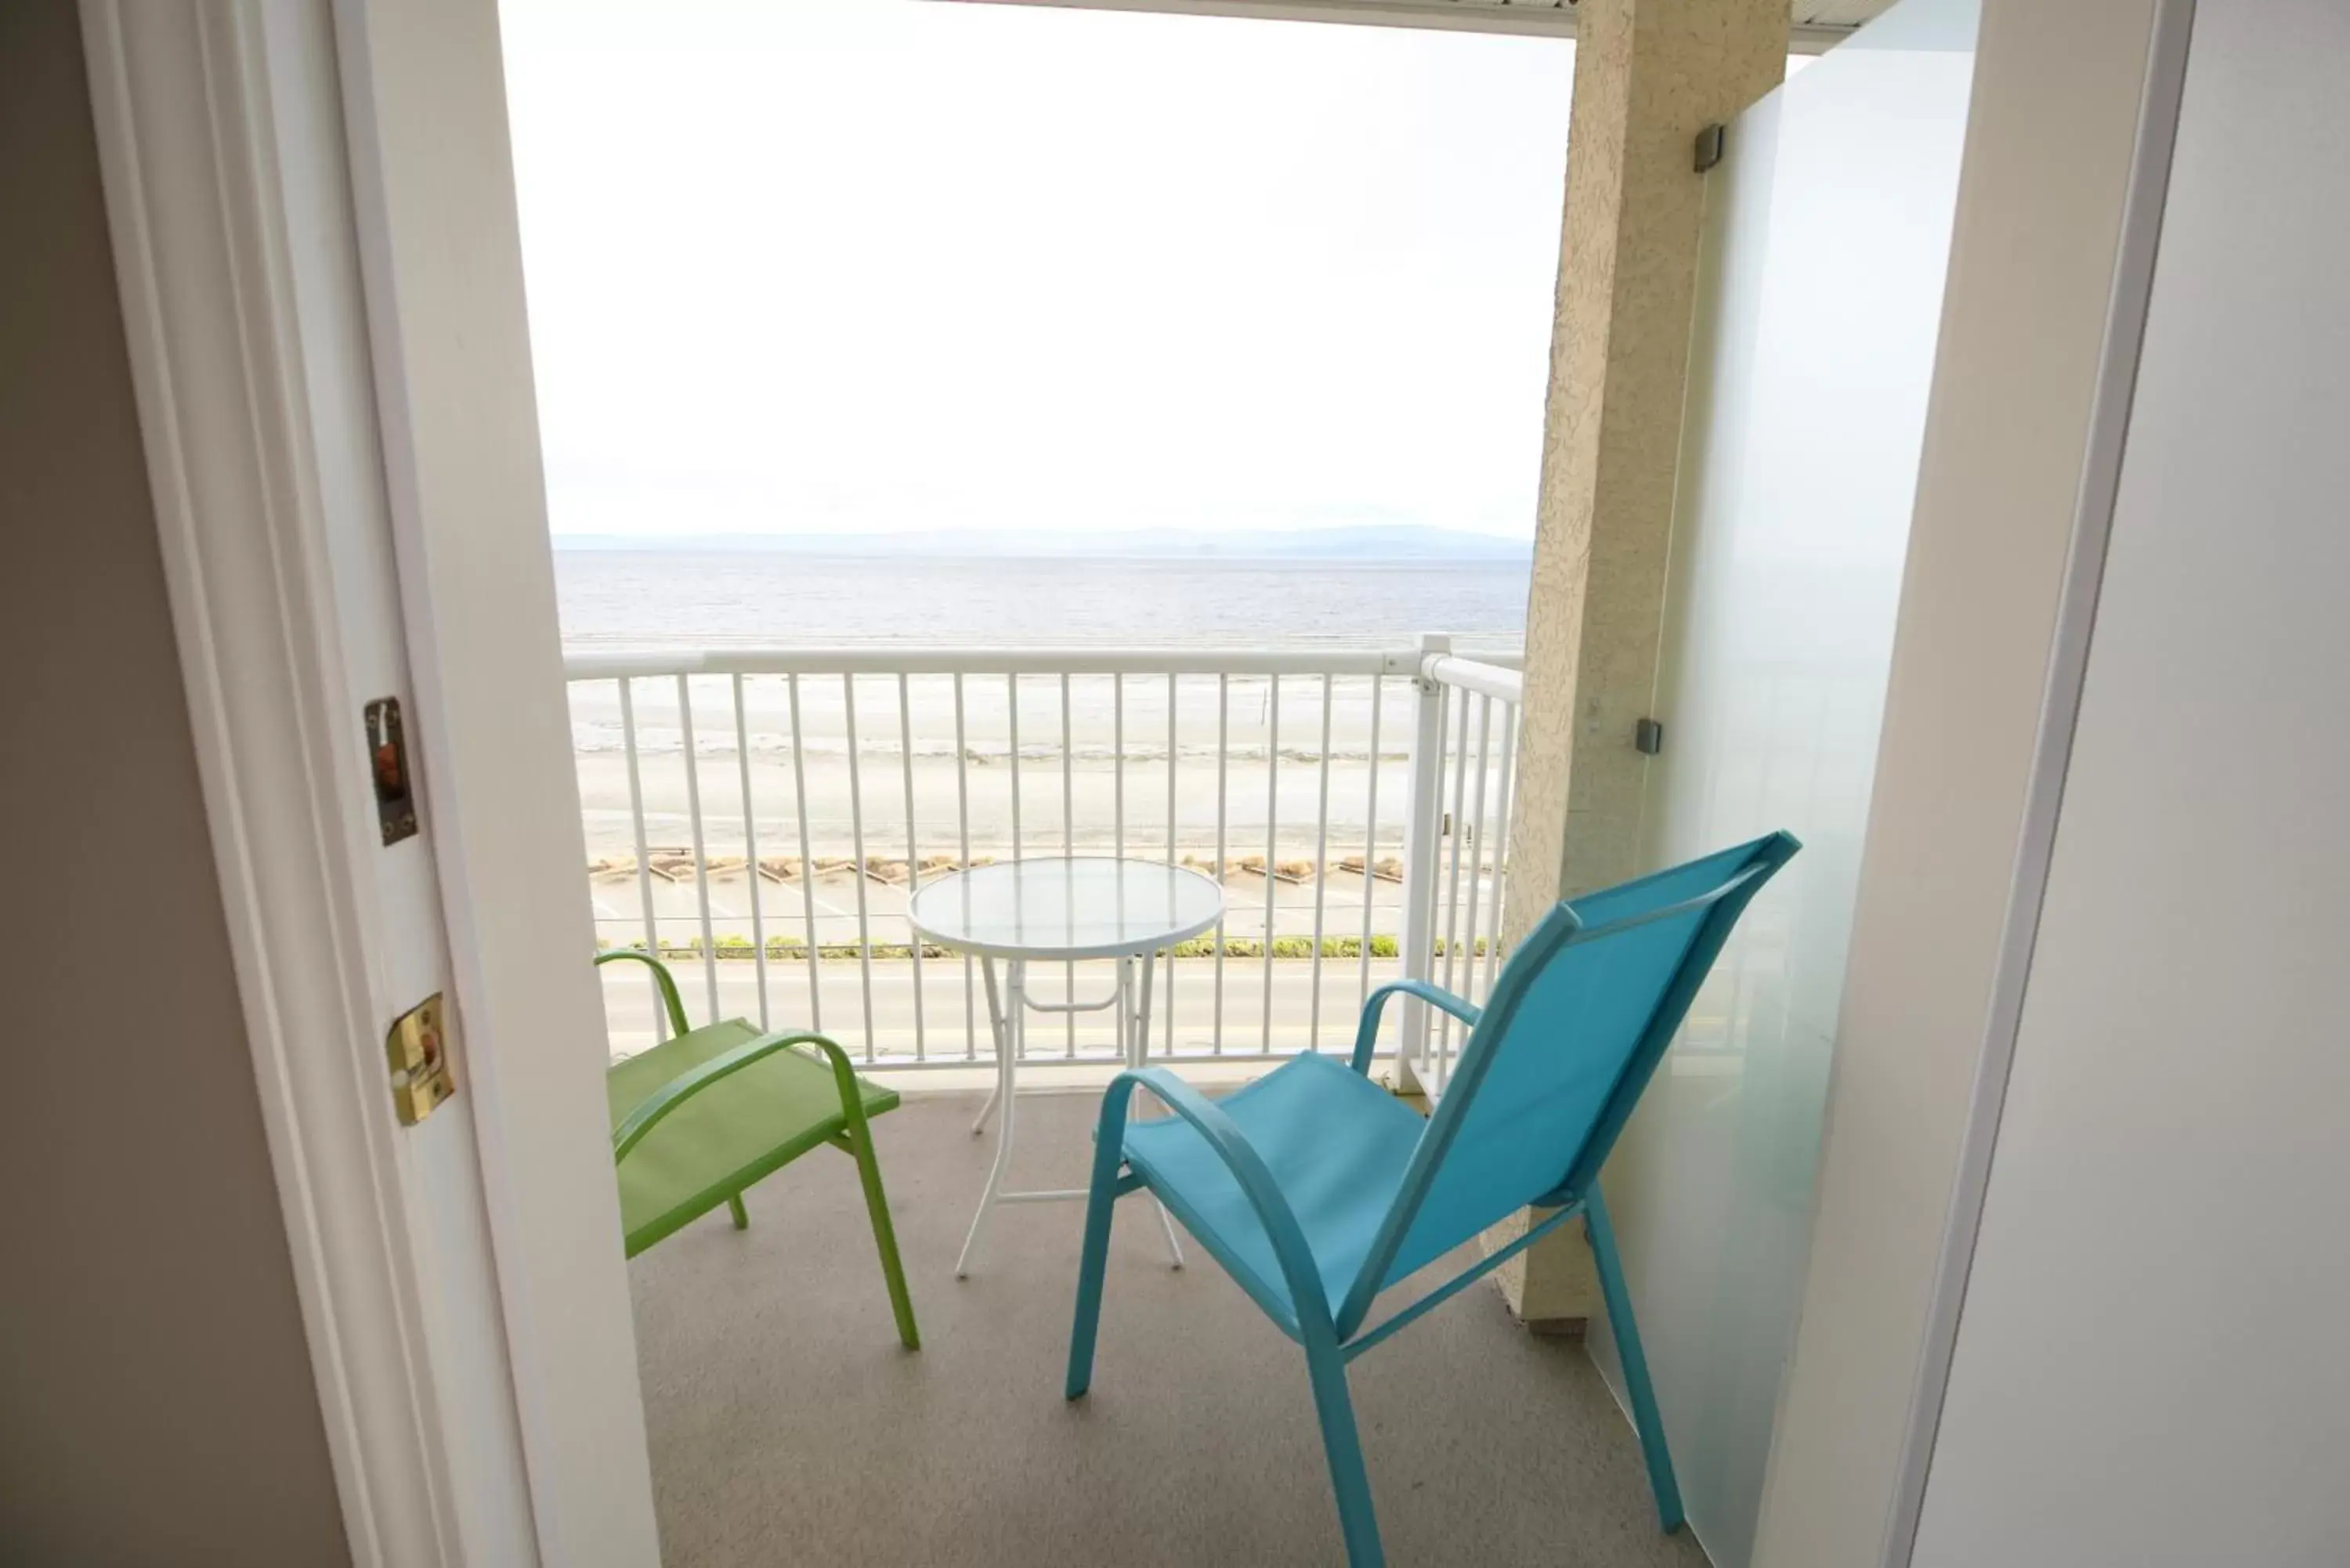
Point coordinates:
[[1060, 910]]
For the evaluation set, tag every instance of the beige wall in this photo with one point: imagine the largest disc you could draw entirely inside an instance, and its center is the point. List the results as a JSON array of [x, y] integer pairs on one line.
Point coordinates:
[[2047, 158], [156, 1403]]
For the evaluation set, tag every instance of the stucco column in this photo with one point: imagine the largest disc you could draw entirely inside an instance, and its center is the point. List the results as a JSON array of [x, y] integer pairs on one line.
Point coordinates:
[[1649, 74]]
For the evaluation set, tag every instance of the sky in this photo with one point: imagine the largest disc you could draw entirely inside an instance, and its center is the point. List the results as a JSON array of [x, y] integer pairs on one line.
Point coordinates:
[[883, 265]]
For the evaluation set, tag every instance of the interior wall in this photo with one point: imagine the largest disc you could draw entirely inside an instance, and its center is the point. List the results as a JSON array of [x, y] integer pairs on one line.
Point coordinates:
[[2149, 1368], [156, 1400], [2033, 251]]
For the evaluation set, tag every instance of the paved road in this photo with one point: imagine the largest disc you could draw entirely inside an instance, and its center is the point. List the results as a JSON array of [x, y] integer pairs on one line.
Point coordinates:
[[947, 1015]]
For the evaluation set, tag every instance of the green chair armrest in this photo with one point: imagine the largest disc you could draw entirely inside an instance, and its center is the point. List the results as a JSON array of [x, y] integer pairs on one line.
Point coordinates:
[[661, 977], [677, 1091], [844, 1078]]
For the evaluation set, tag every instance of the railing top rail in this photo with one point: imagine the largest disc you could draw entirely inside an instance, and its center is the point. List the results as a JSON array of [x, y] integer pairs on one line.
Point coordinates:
[[1479, 675], [898, 660]]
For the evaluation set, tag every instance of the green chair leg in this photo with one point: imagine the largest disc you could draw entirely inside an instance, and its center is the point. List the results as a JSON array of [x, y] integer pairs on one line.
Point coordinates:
[[885, 1237], [742, 1215]]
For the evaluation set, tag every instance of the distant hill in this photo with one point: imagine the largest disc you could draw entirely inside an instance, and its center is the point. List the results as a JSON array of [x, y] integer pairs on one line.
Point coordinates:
[[1384, 542]]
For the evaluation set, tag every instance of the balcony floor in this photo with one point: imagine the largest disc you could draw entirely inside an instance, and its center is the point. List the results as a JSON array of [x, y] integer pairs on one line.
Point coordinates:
[[787, 1425]]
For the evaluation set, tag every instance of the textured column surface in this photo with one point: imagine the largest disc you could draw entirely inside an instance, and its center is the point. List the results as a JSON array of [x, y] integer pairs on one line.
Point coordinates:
[[1648, 75]]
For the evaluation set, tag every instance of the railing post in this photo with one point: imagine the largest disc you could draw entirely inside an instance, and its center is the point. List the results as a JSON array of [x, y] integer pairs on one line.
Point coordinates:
[[1423, 827]]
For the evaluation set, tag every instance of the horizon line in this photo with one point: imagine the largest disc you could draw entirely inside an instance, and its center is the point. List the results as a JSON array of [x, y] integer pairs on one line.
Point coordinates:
[[1408, 540]]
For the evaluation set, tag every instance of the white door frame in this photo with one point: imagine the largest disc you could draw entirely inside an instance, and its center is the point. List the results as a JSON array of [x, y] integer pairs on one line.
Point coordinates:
[[187, 101], [440, 247], [2068, 657], [194, 106]]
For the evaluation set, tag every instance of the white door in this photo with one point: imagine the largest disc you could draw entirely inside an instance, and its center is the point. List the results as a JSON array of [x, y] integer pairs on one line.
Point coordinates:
[[1829, 228]]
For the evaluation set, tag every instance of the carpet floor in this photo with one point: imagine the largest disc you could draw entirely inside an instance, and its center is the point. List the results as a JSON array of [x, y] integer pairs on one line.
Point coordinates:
[[788, 1425]]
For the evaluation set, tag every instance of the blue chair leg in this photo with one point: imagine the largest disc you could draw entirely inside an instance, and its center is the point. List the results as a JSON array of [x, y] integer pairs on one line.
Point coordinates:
[[1340, 1445], [1101, 1202], [1645, 1416]]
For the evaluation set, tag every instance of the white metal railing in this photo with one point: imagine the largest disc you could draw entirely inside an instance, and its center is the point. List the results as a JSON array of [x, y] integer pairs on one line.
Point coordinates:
[[1455, 857], [762, 816]]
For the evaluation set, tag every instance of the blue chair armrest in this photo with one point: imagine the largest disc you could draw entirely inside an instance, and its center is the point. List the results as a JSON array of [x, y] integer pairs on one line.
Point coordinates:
[[1230, 1145], [1367, 1033]]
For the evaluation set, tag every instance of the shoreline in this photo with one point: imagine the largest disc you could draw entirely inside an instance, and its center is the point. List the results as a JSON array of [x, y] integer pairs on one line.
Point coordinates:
[[970, 812]]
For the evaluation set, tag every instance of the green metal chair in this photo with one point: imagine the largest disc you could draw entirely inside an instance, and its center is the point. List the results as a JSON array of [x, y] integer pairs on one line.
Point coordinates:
[[701, 1117]]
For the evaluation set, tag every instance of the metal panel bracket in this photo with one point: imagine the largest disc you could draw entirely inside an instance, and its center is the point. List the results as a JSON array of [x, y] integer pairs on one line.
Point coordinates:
[[1648, 737], [1708, 147]]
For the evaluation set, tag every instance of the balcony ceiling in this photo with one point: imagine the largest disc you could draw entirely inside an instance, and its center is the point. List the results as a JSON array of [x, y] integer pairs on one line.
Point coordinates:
[[1818, 23]]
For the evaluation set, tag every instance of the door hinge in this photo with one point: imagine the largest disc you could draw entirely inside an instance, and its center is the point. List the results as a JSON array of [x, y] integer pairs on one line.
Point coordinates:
[[1648, 737], [1708, 147]]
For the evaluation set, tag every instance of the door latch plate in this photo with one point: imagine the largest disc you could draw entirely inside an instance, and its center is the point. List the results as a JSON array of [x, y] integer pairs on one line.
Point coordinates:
[[417, 1047], [395, 787]]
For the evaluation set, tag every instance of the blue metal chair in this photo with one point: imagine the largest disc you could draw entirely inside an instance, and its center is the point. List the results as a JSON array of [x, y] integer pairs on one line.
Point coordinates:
[[1316, 1190]]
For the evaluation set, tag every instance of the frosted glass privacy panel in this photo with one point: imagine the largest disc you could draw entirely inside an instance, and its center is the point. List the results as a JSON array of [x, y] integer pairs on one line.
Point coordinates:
[[1828, 236]]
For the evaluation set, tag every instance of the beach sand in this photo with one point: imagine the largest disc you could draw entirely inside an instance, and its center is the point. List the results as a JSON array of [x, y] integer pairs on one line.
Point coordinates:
[[801, 771], [977, 801]]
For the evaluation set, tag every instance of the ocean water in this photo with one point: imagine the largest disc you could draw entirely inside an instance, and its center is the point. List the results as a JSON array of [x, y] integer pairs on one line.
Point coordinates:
[[629, 598]]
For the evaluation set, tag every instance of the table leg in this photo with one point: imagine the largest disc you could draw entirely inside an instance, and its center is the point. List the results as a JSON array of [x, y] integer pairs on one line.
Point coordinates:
[[1138, 1054], [995, 1031], [1010, 1025], [1126, 1036]]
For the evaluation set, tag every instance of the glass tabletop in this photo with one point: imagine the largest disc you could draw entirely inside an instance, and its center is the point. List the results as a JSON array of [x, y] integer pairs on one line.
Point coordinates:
[[1083, 906]]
